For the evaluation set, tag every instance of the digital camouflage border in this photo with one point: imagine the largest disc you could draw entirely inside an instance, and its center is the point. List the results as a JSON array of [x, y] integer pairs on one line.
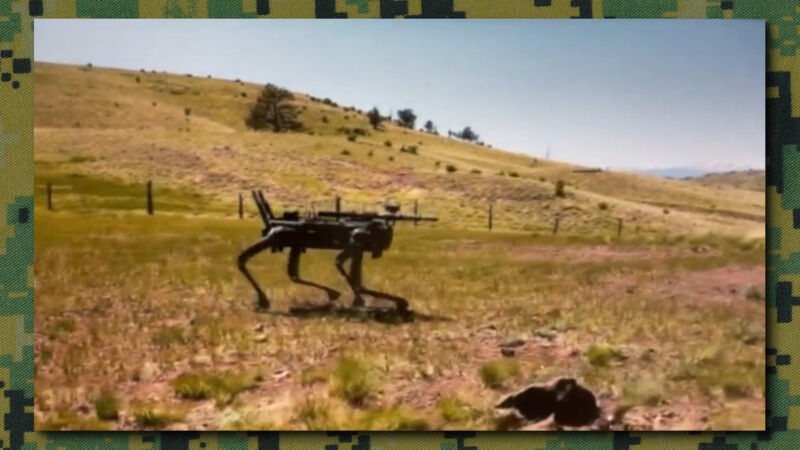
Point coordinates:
[[16, 234]]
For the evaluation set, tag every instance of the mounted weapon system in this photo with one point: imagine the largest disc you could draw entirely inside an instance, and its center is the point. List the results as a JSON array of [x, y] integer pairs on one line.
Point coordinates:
[[353, 234]]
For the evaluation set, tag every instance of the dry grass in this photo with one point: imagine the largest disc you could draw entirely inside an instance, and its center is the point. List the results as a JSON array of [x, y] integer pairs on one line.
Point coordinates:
[[153, 307]]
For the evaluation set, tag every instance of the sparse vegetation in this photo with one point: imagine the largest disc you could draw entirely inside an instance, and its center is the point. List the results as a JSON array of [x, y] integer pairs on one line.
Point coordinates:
[[450, 168], [354, 379], [495, 373], [560, 189], [107, 406], [170, 298]]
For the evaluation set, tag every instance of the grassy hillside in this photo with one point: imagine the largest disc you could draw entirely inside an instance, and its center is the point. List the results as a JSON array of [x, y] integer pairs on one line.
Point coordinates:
[[125, 127], [753, 180], [144, 322]]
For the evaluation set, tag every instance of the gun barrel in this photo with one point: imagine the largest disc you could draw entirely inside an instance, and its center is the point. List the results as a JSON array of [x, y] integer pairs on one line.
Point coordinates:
[[370, 216]]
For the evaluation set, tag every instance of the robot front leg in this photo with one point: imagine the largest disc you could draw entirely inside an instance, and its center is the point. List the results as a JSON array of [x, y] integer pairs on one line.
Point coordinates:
[[294, 275], [275, 235], [354, 279], [355, 254], [258, 247]]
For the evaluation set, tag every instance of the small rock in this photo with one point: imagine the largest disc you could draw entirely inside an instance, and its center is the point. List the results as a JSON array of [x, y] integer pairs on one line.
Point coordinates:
[[260, 338], [508, 352], [149, 372], [514, 343], [202, 359], [84, 408]]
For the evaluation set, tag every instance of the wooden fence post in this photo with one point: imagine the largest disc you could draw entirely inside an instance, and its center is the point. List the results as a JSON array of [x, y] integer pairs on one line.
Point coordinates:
[[416, 210], [555, 225], [619, 228], [49, 196], [241, 206], [338, 204], [150, 198], [491, 213]]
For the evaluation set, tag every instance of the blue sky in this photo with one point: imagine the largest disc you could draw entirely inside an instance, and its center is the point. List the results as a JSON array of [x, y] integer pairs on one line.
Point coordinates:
[[609, 93]]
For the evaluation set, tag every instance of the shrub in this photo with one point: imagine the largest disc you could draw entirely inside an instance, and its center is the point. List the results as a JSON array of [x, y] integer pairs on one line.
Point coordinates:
[[391, 158], [450, 168], [138, 79], [438, 163], [602, 205], [353, 379], [513, 174], [560, 188], [475, 171], [106, 406], [387, 143], [243, 94], [154, 103], [601, 354], [754, 293], [187, 111], [346, 152], [351, 137], [155, 417], [369, 153], [324, 119], [495, 373]]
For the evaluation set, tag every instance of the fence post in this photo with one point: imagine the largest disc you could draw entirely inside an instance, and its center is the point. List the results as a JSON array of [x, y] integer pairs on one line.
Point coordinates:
[[150, 198], [490, 216], [338, 204], [241, 206], [49, 196], [416, 210], [555, 225], [619, 228]]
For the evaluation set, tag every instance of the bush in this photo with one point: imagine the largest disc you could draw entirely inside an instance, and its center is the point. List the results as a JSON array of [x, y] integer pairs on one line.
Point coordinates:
[[138, 79], [369, 153], [495, 373], [353, 379], [106, 406], [324, 119], [154, 103], [602, 205], [187, 111], [387, 143], [600, 355], [351, 137], [450, 168], [513, 174], [475, 171], [346, 152], [243, 94], [754, 293], [560, 188], [391, 158], [438, 163]]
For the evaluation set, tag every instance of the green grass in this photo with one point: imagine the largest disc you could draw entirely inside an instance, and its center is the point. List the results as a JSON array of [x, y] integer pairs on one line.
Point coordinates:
[[495, 373], [107, 405], [454, 410], [221, 386], [112, 282], [156, 416], [354, 379]]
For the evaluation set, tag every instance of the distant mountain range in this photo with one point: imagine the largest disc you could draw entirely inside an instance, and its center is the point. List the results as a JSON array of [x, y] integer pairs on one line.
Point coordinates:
[[687, 172]]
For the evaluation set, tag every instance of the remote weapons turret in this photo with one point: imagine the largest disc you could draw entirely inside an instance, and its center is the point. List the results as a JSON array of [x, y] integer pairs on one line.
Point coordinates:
[[351, 233]]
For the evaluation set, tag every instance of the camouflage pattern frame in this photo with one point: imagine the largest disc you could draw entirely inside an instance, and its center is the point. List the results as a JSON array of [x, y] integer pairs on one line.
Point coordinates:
[[17, 239]]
